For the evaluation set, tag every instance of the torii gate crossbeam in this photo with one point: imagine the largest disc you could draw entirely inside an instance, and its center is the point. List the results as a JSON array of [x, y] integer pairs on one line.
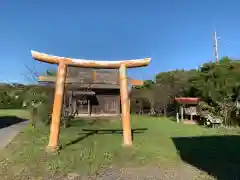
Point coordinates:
[[63, 62]]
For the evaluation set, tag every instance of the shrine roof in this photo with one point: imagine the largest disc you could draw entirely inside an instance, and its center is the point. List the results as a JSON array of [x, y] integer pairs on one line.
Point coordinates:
[[187, 100]]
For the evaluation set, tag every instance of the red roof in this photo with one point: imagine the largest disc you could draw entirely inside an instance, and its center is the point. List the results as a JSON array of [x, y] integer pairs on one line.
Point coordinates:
[[187, 100]]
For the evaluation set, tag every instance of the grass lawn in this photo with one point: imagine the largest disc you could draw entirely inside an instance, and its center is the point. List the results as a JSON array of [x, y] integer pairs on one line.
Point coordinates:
[[164, 144]]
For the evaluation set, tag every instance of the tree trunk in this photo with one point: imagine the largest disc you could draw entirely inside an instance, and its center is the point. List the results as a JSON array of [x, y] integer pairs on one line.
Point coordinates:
[[165, 110]]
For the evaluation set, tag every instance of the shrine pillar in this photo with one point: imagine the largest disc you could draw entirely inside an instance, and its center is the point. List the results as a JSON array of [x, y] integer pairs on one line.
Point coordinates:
[[126, 124], [57, 108]]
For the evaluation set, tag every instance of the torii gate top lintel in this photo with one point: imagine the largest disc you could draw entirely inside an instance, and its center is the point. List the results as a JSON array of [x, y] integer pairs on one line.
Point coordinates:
[[89, 63]]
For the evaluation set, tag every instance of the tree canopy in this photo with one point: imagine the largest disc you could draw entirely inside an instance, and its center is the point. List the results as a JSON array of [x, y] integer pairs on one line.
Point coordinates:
[[216, 84]]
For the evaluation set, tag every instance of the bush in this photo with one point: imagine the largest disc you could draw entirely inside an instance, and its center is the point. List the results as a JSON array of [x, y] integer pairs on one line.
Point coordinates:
[[8, 102], [40, 113], [38, 102], [44, 112]]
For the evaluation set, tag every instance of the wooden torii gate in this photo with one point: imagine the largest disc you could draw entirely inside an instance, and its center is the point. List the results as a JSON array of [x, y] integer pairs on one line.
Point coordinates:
[[63, 62]]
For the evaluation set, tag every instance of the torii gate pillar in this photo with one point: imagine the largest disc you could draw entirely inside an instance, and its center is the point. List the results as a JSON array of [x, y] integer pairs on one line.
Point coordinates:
[[63, 62], [57, 108], [126, 124]]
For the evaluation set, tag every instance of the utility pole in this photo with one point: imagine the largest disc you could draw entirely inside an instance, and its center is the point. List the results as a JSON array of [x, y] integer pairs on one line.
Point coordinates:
[[216, 45]]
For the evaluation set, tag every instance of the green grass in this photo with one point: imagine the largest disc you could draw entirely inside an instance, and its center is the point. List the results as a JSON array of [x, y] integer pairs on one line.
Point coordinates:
[[25, 155]]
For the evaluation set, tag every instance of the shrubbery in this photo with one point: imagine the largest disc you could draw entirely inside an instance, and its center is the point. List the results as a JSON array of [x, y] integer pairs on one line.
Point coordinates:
[[216, 84], [8, 101], [39, 102]]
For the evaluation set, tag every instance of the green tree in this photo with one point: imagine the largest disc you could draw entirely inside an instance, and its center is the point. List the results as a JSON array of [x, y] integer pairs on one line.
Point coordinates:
[[216, 84]]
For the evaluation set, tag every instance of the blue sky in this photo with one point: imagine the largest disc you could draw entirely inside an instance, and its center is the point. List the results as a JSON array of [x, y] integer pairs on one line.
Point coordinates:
[[174, 33]]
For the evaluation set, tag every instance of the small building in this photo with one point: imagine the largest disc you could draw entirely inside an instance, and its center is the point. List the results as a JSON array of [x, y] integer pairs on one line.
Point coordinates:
[[91, 91], [188, 106]]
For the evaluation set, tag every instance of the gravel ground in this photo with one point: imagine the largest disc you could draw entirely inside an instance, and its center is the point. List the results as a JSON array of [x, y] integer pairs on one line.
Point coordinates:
[[182, 172]]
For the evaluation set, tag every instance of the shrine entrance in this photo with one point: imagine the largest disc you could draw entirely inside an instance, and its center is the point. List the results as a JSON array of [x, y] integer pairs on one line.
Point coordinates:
[[63, 63]]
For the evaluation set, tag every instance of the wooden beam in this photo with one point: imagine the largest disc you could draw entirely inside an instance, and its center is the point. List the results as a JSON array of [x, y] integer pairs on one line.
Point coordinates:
[[48, 79], [90, 63], [57, 109], [74, 105], [89, 108], [74, 93], [53, 79], [127, 135], [134, 82], [70, 106], [94, 76]]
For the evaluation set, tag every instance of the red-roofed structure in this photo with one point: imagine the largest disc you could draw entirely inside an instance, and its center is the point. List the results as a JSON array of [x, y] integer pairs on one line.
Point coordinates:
[[187, 100]]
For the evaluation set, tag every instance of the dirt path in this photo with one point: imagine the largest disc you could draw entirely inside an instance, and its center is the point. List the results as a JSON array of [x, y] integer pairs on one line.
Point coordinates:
[[180, 172], [8, 133]]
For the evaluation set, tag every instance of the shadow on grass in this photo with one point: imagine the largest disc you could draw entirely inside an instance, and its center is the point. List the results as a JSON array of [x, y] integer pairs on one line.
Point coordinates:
[[86, 122], [89, 132], [6, 121], [219, 156]]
